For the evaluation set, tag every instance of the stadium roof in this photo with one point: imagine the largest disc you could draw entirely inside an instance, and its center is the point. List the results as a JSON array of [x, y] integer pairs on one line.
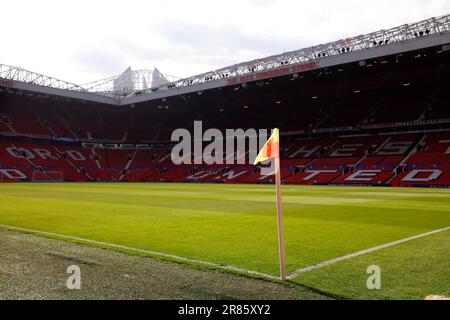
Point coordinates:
[[142, 85], [129, 82]]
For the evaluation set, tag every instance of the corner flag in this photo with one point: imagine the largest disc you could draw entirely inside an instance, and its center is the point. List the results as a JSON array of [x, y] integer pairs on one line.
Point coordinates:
[[271, 150]]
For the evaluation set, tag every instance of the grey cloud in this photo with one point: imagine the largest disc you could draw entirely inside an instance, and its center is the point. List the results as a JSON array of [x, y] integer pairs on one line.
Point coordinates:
[[224, 39], [203, 45], [101, 61]]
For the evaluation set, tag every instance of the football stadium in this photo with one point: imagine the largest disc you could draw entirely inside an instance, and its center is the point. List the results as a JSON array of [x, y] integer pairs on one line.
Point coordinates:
[[88, 177]]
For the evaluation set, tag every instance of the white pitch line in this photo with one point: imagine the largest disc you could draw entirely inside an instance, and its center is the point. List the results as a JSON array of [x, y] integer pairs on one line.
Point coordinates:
[[223, 267], [359, 253], [154, 253]]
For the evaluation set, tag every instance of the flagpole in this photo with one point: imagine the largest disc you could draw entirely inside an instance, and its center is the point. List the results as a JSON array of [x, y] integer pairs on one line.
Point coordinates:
[[280, 219], [271, 150]]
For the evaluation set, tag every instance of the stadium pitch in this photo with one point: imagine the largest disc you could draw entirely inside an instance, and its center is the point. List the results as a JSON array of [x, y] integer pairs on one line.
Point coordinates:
[[233, 228]]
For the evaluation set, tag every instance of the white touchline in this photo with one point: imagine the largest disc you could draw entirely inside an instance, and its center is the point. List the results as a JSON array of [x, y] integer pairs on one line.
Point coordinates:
[[359, 253], [154, 253]]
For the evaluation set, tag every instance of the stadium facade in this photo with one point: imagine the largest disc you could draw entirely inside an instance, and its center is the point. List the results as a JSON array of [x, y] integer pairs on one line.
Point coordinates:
[[369, 110]]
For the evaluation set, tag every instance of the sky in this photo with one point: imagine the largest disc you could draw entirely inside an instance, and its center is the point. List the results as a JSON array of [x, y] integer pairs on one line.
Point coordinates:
[[86, 40]]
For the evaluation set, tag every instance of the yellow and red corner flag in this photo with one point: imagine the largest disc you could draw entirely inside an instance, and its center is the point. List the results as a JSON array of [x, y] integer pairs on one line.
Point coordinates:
[[271, 150]]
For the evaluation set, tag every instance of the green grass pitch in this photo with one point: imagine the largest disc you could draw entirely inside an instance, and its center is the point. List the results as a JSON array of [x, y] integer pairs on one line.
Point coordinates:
[[236, 225]]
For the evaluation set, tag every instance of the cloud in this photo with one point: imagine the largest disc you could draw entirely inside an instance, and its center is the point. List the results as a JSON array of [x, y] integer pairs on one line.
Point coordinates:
[[100, 61], [85, 40], [222, 39]]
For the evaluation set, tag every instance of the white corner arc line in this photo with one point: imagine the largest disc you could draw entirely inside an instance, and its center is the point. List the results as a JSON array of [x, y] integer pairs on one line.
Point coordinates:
[[359, 253], [149, 252]]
